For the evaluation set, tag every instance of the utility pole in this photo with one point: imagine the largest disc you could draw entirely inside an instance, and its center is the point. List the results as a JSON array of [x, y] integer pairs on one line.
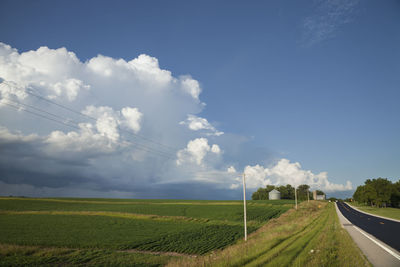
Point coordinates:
[[244, 206], [308, 196], [295, 195]]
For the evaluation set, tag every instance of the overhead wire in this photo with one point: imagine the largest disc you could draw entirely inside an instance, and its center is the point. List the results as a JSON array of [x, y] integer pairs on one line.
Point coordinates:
[[30, 91], [23, 107], [39, 115], [39, 109]]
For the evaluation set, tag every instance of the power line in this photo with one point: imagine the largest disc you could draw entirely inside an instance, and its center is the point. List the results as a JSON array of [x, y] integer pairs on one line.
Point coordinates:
[[39, 109], [137, 145], [30, 91], [37, 95], [40, 115]]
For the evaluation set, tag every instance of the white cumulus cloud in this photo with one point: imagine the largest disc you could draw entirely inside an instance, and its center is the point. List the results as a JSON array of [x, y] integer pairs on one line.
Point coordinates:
[[285, 172], [196, 123], [195, 151], [112, 125], [231, 169], [132, 117], [191, 86]]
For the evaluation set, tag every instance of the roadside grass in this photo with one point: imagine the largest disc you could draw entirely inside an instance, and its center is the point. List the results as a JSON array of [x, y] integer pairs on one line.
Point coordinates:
[[13, 255], [311, 236], [385, 212]]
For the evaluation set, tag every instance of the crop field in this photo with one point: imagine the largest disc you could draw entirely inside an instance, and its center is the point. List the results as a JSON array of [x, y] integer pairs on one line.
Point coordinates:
[[310, 236], [110, 231]]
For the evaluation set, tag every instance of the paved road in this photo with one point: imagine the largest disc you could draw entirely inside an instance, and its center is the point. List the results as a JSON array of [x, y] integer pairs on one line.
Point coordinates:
[[377, 253], [385, 230]]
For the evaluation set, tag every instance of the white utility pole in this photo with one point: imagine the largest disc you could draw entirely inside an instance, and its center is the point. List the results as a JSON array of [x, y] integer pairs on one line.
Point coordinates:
[[244, 206], [295, 195]]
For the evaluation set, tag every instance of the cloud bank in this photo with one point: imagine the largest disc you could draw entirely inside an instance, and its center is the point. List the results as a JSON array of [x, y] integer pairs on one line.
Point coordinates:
[[116, 127]]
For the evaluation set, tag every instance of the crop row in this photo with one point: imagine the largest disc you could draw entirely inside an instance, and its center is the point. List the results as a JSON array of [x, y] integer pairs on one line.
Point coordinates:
[[212, 212], [77, 231], [201, 241]]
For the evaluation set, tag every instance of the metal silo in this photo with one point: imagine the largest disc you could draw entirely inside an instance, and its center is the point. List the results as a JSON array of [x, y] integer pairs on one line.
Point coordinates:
[[274, 194]]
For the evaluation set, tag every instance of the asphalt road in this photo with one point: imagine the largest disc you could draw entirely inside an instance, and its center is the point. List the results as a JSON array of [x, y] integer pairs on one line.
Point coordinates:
[[385, 230]]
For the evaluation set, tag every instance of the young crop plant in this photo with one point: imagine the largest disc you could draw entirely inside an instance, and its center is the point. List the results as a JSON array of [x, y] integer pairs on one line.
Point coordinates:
[[179, 228]]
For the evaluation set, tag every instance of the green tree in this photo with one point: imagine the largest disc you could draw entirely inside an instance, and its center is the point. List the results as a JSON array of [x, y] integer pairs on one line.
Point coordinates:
[[302, 191], [370, 194], [383, 188], [270, 188], [359, 194], [395, 197], [290, 190], [260, 194]]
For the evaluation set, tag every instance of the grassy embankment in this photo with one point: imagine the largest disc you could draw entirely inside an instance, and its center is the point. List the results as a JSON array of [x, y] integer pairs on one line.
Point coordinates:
[[311, 236], [121, 232], [385, 212]]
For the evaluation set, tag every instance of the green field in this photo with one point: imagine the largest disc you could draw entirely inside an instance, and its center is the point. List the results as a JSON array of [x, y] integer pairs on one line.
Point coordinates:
[[385, 212], [110, 231], [310, 236]]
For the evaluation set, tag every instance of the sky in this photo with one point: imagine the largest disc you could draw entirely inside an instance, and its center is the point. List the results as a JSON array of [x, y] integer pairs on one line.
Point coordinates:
[[176, 99]]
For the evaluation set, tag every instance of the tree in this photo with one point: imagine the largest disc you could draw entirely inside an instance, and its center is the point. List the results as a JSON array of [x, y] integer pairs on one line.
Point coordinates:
[[395, 197], [302, 191], [287, 192], [380, 192], [369, 194], [290, 190], [383, 188], [270, 188], [260, 194], [359, 194], [284, 192]]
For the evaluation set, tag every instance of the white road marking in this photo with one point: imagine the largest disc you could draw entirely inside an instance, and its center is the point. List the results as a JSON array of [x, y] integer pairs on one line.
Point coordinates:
[[394, 254]]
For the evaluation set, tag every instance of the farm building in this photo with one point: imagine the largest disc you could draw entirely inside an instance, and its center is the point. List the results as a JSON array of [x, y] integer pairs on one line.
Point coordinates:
[[318, 197], [274, 194]]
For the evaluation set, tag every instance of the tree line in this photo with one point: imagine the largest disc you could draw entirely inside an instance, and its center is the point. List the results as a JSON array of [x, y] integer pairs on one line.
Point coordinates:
[[378, 192], [287, 192]]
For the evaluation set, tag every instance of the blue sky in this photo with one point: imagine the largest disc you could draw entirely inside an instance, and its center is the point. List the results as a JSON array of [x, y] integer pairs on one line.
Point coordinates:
[[314, 82]]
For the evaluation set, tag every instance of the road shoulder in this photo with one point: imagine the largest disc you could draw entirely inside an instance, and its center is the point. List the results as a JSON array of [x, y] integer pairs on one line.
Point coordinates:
[[376, 252]]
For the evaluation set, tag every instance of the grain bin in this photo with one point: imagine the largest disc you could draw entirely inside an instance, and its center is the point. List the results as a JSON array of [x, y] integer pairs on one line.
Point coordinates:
[[274, 194]]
